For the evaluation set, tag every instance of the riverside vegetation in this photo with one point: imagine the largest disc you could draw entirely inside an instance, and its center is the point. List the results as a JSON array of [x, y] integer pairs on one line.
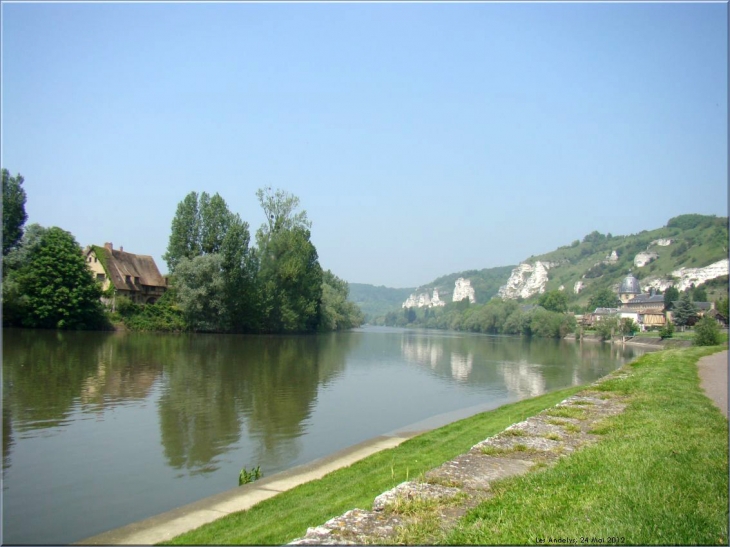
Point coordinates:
[[219, 282], [657, 475]]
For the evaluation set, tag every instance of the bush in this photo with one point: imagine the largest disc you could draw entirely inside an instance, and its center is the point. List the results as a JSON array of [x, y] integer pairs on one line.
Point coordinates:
[[707, 333], [667, 331]]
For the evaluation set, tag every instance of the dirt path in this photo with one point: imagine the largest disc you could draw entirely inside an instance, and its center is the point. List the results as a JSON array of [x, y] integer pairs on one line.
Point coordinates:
[[713, 378]]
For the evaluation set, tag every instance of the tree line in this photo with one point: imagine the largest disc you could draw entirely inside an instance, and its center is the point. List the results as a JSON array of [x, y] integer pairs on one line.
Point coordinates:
[[223, 283], [497, 316], [219, 281]]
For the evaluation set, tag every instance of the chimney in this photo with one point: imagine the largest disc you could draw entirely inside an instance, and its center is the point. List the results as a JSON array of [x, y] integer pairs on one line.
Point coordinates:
[[121, 249], [109, 246]]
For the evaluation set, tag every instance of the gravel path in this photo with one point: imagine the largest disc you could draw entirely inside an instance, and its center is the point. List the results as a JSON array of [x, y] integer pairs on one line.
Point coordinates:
[[713, 378]]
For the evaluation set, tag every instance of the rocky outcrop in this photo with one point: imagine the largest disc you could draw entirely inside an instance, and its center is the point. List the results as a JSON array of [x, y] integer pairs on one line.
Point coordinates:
[[612, 258], [644, 258], [526, 280], [685, 277], [462, 290], [661, 242], [578, 287], [423, 300]]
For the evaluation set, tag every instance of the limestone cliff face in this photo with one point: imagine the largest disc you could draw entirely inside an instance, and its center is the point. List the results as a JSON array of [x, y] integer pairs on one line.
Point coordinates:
[[688, 276], [642, 259], [423, 300], [462, 290], [526, 280]]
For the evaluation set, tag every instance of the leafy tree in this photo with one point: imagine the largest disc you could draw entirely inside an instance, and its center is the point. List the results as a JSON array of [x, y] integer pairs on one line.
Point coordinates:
[[215, 221], [699, 294], [336, 312], [687, 222], [14, 215], [667, 331], [199, 227], [201, 292], [291, 281], [185, 233], [240, 267], [605, 298], [685, 313], [554, 301], [290, 276], [607, 327], [57, 286], [671, 295], [280, 210], [628, 327], [707, 332]]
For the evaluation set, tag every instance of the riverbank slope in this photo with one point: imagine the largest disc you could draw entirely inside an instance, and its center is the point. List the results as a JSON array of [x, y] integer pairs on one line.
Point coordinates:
[[669, 437]]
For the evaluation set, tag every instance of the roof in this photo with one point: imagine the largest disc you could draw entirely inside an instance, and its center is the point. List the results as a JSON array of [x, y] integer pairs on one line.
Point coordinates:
[[630, 285], [120, 264], [698, 305], [647, 299]]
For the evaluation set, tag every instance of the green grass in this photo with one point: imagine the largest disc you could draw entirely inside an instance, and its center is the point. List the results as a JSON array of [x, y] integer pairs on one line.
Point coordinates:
[[658, 476], [285, 517]]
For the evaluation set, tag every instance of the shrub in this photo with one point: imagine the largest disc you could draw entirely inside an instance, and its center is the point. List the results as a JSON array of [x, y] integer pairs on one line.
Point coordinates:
[[707, 333], [667, 331]]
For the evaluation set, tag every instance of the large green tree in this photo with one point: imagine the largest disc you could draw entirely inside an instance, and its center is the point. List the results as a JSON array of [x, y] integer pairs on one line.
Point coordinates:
[[239, 263], [280, 209], [14, 215], [184, 239], [290, 277], [198, 228], [671, 295], [58, 289], [685, 313], [291, 281], [605, 298], [336, 312], [200, 290], [554, 301]]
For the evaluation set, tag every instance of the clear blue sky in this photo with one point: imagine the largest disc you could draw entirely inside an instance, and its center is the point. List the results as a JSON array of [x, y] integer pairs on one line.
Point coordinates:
[[422, 139]]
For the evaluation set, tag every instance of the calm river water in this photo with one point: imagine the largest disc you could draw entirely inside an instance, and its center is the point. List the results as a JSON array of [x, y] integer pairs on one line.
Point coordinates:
[[104, 429]]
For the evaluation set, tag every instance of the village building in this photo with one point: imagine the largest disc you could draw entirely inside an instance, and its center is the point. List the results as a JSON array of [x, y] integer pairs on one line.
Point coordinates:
[[125, 274]]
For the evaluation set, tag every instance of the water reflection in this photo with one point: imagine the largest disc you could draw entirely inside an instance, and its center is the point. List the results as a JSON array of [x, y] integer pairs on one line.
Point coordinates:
[[208, 389], [526, 367], [164, 420]]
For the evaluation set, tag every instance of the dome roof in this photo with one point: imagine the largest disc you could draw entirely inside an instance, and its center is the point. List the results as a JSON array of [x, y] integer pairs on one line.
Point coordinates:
[[630, 285]]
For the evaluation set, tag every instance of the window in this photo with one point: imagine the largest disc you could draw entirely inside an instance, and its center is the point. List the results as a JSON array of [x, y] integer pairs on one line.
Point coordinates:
[[127, 279], [100, 277]]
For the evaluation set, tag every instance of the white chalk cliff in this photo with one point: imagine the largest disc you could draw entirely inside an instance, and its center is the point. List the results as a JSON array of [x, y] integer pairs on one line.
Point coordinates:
[[526, 280], [688, 276], [462, 290], [644, 258]]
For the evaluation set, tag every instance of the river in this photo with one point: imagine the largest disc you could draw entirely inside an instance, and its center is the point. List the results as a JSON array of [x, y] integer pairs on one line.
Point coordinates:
[[104, 429]]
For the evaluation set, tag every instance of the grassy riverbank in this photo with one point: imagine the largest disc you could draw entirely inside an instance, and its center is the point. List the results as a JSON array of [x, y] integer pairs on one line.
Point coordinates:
[[288, 515], [658, 476]]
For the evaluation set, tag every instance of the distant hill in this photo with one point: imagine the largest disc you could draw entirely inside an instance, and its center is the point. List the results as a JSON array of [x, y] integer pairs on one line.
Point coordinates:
[[485, 282], [591, 264], [602, 260], [376, 301]]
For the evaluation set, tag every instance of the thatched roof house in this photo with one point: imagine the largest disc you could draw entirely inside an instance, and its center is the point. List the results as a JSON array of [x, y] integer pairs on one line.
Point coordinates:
[[125, 274]]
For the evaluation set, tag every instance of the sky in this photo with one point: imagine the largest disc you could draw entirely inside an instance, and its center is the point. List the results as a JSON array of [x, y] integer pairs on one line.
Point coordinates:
[[422, 139]]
